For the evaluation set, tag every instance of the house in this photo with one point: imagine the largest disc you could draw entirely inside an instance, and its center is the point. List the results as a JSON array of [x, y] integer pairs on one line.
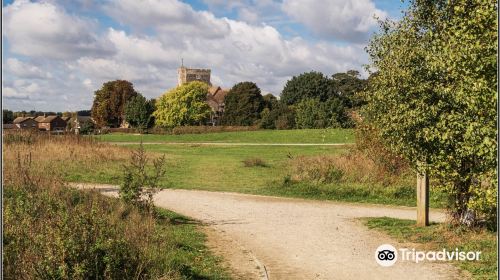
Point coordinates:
[[9, 126], [39, 118], [80, 121], [215, 99], [52, 123], [25, 123]]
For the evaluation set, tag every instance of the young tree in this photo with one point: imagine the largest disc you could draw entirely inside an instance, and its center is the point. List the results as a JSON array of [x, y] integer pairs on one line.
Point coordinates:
[[243, 104], [108, 107], [433, 99], [183, 105], [306, 85], [138, 112]]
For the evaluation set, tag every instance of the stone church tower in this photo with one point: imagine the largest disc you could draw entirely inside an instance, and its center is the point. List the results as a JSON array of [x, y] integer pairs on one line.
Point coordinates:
[[186, 75]]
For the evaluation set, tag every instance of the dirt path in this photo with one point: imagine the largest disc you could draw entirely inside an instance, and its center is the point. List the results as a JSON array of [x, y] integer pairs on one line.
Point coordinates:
[[280, 238], [231, 144]]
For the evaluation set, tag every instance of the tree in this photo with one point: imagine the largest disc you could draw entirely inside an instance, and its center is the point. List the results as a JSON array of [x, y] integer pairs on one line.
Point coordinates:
[[108, 107], [243, 104], [307, 85], [138, 112], [433, 99], [309, 114], [7, 116], [348, 86], [279, 116], [183, 105], [270, 101]]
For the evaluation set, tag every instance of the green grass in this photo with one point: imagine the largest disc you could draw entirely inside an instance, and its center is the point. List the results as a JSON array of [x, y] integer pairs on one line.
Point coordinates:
[[222, 168], [260, 136], [189, 255], [400, 194], [444, 236], [212, 168]]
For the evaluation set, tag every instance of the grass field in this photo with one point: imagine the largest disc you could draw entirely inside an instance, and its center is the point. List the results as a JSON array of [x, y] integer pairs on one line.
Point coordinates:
[[440, 236], [222, 168], [260, 136], [213, 168]]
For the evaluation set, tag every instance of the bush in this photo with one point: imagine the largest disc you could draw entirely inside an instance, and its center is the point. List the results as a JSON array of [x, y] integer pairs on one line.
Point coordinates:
[[138, 186], [55, 232], [312, 113], [252, 162]]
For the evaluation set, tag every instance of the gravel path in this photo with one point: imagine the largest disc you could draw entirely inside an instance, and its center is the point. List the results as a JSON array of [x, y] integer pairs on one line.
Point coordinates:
[[281, 238], [232, 144]]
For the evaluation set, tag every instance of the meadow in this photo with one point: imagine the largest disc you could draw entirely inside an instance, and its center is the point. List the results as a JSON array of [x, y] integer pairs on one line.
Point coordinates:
[[192, 165], [307, 136]]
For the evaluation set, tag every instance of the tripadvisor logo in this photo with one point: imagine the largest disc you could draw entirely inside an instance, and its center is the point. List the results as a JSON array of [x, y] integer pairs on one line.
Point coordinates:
[[387, 255]]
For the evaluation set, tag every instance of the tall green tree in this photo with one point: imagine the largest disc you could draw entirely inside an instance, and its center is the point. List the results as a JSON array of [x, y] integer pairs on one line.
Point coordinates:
[[7, 116], [433, 99], [243, 104], [183, 105], [309, 85], [139, 112], [349, 87], [108, 107]]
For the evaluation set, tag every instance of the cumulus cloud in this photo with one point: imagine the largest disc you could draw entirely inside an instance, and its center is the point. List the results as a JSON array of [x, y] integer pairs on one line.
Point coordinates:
[[66, 70], [43, 29], [25, 70], [349, 20], [166, 15]]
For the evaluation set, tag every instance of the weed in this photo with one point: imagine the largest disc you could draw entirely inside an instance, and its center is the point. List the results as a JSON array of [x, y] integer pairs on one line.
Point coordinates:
[[138, 186], [255, 162]]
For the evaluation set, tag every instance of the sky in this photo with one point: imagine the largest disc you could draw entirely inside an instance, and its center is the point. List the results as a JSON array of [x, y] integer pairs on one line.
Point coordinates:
[[57, 53]]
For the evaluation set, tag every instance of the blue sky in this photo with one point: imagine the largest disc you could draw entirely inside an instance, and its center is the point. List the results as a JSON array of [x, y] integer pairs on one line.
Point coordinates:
[[56, 53]]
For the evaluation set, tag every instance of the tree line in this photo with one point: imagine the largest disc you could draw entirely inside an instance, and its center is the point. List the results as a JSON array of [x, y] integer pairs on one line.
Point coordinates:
[[309, 100]]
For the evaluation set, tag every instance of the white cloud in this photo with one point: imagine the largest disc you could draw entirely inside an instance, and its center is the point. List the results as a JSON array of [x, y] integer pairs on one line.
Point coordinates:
[[235, 50], [144, 50], [349, 20], [43, 29], [166, 15], [25, 70]]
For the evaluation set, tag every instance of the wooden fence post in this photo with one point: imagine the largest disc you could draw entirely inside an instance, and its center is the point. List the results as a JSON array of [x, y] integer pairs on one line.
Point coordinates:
[[422, 199]]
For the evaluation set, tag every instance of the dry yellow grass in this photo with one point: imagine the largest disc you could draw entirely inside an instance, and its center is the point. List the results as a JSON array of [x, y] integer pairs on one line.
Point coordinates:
[[350, 167]]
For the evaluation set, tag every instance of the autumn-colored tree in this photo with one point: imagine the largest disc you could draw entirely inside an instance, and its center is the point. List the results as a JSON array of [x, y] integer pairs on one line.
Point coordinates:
[[108, 108]]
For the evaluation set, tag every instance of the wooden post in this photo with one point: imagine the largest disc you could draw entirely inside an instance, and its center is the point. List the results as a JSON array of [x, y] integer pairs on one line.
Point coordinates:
[[422, 200]]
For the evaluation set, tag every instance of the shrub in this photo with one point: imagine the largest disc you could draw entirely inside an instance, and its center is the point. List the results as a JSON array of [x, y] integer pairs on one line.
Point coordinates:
[[252, 162], [138, 186], [55, 232]]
